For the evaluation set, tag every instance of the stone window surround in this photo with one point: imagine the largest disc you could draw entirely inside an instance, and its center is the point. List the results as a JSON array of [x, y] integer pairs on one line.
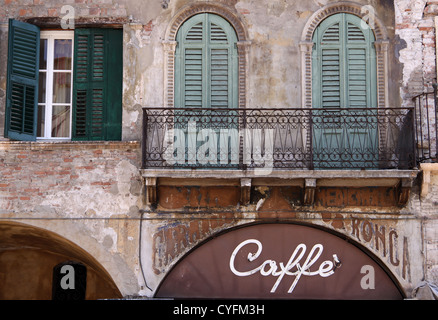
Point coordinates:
[[306, 47], [170, 43]]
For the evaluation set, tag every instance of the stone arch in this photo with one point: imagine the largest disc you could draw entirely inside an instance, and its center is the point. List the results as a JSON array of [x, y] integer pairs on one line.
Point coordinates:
[[28, 255], [195, 8], [170, 43], [381, 45]]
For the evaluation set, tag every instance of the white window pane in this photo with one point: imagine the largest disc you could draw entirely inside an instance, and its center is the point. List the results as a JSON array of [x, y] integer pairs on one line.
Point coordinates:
[[43, 54], [62, 54], [60, 121], [42, 87], [61, 87], [41, 121]]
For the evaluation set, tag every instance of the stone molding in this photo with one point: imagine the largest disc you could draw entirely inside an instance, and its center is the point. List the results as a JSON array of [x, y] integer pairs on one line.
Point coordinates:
[[306, 47], [429, 170], [67, 145], [170, 43]]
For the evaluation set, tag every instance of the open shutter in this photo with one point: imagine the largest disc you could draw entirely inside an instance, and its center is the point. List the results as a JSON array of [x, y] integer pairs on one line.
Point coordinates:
[[113, 103], [22, 81], [219, 69], [97, 93]]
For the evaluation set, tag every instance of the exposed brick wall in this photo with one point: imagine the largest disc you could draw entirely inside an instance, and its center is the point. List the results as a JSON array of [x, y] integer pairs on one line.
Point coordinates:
[[81, 180], [69, 178], [415, 25], [39, 8]]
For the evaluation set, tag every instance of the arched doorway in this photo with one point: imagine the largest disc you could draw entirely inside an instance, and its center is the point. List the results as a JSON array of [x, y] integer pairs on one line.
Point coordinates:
[[278, 261], [28, 255]]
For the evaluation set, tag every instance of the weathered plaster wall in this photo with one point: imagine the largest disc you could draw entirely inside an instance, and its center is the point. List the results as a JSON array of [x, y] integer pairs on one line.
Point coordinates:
[[274, 30], [428, 203], [91, 194], [415, 27], [274, 59], [375, 222], [86, 192]]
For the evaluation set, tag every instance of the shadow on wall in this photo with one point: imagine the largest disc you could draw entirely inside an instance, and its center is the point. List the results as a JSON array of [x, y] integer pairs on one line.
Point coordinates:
[[28, 256]]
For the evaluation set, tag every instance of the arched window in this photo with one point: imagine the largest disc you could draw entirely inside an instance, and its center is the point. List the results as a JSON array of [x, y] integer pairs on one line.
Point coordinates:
[[206, 63], [344, 64], [344, 94]]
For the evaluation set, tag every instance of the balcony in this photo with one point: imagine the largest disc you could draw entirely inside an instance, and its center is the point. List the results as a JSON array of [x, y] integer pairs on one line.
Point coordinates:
[[303, 147]]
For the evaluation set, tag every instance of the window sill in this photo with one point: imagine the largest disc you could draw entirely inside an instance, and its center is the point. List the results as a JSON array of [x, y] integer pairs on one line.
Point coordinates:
[[65, 145]]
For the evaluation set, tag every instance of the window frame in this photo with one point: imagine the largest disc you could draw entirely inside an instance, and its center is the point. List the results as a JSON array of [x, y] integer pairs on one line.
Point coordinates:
[[206, 46], [51, 36], [22, 98], [306, 44], [344, 46], [170, 43]]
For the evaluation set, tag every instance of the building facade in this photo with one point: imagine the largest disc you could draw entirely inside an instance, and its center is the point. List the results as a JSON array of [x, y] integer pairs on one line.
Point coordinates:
[[231, 149]]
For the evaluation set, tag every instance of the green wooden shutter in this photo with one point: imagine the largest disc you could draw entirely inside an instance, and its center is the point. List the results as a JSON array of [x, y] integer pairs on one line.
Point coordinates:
[[97, 89], [344, 76], [22, 81], [206, 63], [344, 64], [361, 64]]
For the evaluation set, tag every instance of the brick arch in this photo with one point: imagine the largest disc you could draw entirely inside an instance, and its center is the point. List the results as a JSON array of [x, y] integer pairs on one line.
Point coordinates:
[[341, 7], [193, 9], [169, 44], [381, 45], [28, 255]]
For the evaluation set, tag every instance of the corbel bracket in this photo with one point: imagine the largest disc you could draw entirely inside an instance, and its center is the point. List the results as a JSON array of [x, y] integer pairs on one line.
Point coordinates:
[[245, 191], [151, 191], [404, 191], [309, 192]]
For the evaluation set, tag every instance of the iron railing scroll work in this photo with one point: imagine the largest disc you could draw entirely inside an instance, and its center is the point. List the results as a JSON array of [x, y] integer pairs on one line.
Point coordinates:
[[279, 138]]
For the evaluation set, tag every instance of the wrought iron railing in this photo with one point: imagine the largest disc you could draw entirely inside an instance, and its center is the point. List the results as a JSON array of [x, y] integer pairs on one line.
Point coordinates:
[[343, 138], [426, 134]]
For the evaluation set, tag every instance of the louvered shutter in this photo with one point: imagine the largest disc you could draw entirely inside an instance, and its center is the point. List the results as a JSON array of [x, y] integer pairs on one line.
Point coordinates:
[[193, 78], [331, 67], [361, 67], [206, 63], [97, 90], [22, 81], [344, 76], [344, 64]]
